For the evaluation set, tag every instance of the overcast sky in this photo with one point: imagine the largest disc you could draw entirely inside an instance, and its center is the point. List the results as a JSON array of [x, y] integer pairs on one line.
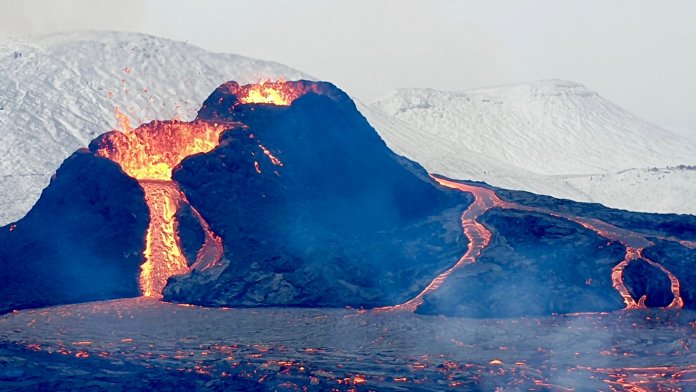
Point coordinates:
[[639, 54]]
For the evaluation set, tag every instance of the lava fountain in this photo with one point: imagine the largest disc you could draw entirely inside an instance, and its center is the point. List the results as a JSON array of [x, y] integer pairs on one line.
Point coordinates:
[[150, 152], [280, 93]]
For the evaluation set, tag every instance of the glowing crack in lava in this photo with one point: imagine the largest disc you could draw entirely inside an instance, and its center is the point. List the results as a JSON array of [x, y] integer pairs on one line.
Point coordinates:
[[149, 154], [479, 238]]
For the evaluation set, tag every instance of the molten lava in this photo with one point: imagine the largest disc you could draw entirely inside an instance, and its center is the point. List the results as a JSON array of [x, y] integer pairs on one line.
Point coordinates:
[[149, 154], [163, 255], [479, 238], [275, 93], [151, 151], [280, 92]]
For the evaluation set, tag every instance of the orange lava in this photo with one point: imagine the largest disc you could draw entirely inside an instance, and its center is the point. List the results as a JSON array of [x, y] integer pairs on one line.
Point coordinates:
[[479, 238], [617, 279], [275, 93], [639, 379], [210, 254], [279, 92], [149, 153], [677, 301], [163, 255]]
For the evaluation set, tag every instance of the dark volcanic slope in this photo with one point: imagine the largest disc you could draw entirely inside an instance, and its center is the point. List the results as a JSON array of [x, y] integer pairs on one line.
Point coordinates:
[[314, 209], [681, 226], [82, 241], [681, 261], [535, 265]]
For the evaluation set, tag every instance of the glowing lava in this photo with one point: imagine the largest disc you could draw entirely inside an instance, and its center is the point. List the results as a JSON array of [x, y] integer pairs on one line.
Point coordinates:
[[149, 154], [163, 255], [479, 238], [275, 93], [279, 93], [151, 151]]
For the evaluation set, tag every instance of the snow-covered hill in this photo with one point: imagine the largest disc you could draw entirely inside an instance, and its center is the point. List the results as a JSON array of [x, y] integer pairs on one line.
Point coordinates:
[[548, 127], [59, 92], [551, 137]]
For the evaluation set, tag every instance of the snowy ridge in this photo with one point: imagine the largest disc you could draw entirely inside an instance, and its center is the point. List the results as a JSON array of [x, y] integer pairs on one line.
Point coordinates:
[[59, 92], [550, 137], [548, 127]]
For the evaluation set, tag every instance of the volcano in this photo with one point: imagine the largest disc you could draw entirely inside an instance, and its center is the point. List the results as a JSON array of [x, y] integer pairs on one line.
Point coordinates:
[[282, 194]]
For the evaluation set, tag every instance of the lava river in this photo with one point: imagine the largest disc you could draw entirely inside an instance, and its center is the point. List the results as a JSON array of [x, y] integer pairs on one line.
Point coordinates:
[[479, 238], [148, 154]]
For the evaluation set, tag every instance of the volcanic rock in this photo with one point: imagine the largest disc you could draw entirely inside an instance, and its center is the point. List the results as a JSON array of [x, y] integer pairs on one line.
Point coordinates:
[[681, 261], [314, 209], [82, 241], [535, 265]]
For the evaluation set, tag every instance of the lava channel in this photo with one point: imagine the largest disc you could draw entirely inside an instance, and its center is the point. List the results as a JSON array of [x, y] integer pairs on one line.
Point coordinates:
[[479, 238], [149, 154]]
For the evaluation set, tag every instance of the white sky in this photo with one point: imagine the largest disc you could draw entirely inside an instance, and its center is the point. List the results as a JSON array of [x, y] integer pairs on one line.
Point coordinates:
[[639, 54]]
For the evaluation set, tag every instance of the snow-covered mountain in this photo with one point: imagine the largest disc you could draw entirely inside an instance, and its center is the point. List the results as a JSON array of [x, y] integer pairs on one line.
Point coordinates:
[[551, 137], [59, 92]]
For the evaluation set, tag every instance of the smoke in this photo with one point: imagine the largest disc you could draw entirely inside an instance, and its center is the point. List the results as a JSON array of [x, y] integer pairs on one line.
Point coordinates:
[[42, 17]]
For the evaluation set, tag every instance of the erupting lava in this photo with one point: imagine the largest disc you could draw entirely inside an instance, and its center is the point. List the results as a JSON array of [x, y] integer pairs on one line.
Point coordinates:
[[479, 238], [276, 93], [280, 92], [149, 154], [151, 151]]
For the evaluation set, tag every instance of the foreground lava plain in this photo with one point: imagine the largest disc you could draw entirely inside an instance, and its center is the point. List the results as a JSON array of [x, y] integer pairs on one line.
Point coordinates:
[[157, 345]]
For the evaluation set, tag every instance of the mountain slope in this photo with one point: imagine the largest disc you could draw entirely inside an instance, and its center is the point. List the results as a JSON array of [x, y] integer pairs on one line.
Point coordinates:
[[60, 92], [309, 207], [551, 137]]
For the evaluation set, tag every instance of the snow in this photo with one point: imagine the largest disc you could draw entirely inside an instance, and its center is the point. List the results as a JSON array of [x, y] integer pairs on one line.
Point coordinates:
[[59, 92], [549, 137], [142, 340]]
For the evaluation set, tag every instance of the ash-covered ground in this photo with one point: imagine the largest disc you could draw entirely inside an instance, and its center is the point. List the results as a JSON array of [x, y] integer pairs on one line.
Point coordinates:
[[138, 344]]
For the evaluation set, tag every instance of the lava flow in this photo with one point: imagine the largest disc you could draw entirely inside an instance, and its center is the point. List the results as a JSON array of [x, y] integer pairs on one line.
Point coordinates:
[[276, 93], [148, 154], [163, 254], [479, 238]]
